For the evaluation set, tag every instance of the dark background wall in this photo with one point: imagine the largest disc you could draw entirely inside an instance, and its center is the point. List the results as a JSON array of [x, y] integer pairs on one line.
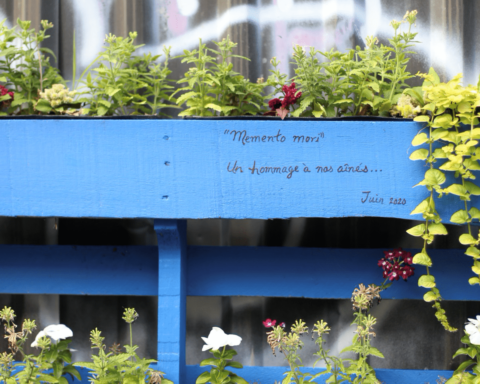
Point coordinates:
[[407, 331]]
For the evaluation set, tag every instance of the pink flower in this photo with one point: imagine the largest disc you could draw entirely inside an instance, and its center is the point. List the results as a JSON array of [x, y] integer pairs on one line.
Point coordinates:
[[408, 258], [269, 323], [389, 255], [282, 324]]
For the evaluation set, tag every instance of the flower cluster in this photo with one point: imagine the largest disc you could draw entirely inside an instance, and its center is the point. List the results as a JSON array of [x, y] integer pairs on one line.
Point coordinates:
[[396, 264], [363, 297], [290, 97], [58, 95], [4, 91]]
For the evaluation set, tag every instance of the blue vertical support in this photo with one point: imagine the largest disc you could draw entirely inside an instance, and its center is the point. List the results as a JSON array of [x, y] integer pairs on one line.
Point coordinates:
[[172, 295]]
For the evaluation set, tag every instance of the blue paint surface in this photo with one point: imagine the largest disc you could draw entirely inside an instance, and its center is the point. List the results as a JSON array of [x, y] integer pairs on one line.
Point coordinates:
[[220, 271], [268, 375], [172, 294], [200, 169]]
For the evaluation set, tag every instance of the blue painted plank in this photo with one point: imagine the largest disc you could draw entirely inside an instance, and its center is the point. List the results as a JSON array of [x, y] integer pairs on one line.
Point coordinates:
[[221, 271], [78, 270], [210, 169], [268, 375], [172, 297], [316, 273]]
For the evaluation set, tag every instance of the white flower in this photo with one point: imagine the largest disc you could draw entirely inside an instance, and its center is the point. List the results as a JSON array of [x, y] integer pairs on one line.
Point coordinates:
[[217, 339], [54, 332], [473, 330]]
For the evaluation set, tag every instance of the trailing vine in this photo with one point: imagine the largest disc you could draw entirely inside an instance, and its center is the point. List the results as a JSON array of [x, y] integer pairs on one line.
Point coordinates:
[[451, 115]]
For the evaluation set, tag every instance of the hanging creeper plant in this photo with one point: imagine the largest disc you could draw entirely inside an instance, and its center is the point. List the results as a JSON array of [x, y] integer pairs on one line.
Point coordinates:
[[452, 138]]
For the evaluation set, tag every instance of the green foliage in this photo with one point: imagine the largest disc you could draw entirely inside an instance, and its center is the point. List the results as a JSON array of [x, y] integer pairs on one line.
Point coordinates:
[[452, 141], [24, 67], [460, 375], [120, 367], [339, 370], [122, 81], [51, 365], [213, 88], [366, 81], [218, 374]]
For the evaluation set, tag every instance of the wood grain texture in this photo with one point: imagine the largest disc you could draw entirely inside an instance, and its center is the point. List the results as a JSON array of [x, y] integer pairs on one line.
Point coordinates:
[[219, 271], [180, 169]]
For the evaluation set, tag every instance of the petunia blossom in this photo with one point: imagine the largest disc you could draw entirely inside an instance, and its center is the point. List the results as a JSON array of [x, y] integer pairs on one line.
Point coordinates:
[[217, 339], [472, 328], [269, 323], [55, 332]]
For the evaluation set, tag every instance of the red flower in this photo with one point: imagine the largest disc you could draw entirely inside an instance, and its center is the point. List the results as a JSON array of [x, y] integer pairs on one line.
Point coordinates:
[[384, 264], [406, 272], [393, 276], [389, 255], [385, 274], [4, 91], [269, 323], [407, 257], [282, 324], [275, 103]]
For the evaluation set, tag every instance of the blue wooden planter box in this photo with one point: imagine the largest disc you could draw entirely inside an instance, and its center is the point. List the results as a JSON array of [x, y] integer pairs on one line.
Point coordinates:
[[171, 170]]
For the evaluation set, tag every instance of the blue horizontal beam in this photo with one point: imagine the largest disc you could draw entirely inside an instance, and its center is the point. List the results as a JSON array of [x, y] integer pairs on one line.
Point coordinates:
[[210, 169], [266, 375], [79, 270], [221, 271]]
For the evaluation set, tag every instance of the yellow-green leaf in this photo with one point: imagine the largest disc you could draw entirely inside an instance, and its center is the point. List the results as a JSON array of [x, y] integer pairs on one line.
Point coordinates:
[[422, 119], [457, 189], [422, 259], [467, 239], [419, 154], [417, 231], [426, 281], [460, 217], [420, 208], [472, 188], [419, 139], [472, 251], [473, 280], [474, 213], [437, 229], [430, 296]]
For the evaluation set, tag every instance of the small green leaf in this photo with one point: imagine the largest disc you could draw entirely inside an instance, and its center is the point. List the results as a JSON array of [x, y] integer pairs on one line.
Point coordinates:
[[474, 213], [472, 251], [203, 378], [420, 208], [472, 188], [105, 103], [437, 229], [422, 119], [473, 280], [457, 189], [419, 154], [417, 231], [375, 352], [467, 239], [419, 139], [430, 296], [213, 106], [460, 217], [422, 259], [434, 177], [426, 281]]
